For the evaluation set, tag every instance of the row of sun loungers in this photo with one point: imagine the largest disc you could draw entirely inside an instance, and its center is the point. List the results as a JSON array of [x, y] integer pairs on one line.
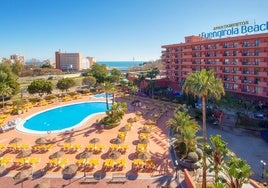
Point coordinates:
[[10, 125]]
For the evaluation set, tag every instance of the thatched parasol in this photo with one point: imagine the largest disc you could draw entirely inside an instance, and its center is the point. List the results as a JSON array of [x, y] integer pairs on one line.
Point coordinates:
[[41, 140], [124, 129], [58, 154], [43, 184], [131, 120], [2, 169], [24, 153], [85, 155], [15, 140], [144, 141], [145, 130], [150, 122], [143, 156], [70, 169], [116, 141], [114, 155], [69, 140], [23, 175], [94, 140], [139, 113]]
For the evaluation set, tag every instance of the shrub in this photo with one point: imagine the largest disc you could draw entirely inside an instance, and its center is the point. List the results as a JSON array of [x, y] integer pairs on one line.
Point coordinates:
[[192, 156], [181, 148], [199, 152]]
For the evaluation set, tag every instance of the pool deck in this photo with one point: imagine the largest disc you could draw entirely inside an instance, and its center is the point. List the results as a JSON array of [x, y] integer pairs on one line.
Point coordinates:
[[157, 148], [237, 140]]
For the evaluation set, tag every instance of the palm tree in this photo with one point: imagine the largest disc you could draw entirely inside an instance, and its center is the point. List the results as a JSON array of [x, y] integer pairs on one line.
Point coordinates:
[[203, 84], [141, 78], [107, 89], [152, 74], [230, 170], [187, 128], [216, 153], [180, 122], [5, 90]]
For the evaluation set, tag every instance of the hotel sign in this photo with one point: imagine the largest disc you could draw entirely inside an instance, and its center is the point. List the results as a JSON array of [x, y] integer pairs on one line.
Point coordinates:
[[235, 29]]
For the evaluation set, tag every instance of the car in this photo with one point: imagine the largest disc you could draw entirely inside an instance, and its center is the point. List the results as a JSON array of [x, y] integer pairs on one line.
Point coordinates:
[[259, 116]]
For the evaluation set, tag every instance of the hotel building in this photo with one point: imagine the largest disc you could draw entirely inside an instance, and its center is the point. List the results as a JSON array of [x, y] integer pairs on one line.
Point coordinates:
[[68, 61], [241, 61]]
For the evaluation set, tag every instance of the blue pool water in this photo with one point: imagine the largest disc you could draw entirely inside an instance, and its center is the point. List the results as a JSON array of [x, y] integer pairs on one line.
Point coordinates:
[[62, 118], [102, 95]]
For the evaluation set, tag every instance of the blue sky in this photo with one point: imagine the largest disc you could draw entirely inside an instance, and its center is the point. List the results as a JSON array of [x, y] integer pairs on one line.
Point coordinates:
[[113, 29]]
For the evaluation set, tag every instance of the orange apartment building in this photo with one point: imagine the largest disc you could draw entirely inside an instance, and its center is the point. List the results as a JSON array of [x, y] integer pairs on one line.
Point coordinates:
[[68, 61], [241, 61]]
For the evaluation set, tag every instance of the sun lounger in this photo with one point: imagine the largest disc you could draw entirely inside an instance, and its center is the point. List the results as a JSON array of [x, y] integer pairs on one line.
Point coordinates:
[[89, 178], [118, 178], [10, 125]]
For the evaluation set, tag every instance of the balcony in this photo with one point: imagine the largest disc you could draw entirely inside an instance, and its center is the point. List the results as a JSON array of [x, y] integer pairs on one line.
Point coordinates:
[[246, 72], [262, 84], [229, 71], [187, 56], [187, 50], [263, 44], [262, 54], [187, 63], [263, 64], [187, 69], [262, 74]]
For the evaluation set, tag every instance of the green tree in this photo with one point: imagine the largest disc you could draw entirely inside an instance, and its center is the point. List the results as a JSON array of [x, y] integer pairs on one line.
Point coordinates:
[[186, 127], [115, 114], [8, 77], [40, 86], [133, 91], [124, 84], [108, 88], [230, 170], [100, 72], [17, 67], [152, 74], [141, 78], [65, 84], [90, 81], [115, 76], [203, 84], [237, 171], [5, 90], [217, 152]]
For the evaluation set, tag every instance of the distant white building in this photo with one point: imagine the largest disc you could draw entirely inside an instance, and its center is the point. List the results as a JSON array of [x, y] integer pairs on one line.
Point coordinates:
[[17, 57]]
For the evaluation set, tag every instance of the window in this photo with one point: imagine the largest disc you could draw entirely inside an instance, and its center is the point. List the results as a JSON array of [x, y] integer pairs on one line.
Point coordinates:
[[256, 61], [235, 52], [245, 44], [256, 52], [257, 42], [235, 44], [246, 53], [226, 45]]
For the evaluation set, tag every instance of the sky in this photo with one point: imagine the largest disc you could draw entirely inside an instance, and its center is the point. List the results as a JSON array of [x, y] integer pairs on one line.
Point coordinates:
[[114, 30]]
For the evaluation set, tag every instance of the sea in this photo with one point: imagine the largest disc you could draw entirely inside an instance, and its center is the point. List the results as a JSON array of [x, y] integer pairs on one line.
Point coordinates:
[[120, 65]]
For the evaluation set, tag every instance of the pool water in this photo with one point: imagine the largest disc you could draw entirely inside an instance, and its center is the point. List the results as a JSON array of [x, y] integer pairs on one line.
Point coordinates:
[[62, 118]]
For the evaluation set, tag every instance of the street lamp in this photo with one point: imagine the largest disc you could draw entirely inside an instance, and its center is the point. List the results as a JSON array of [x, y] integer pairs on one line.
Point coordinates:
[[176, 168], [263, 168]]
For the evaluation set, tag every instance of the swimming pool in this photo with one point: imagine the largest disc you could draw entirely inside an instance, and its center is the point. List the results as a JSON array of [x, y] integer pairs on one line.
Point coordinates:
[[102, 95], [61, 118]]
